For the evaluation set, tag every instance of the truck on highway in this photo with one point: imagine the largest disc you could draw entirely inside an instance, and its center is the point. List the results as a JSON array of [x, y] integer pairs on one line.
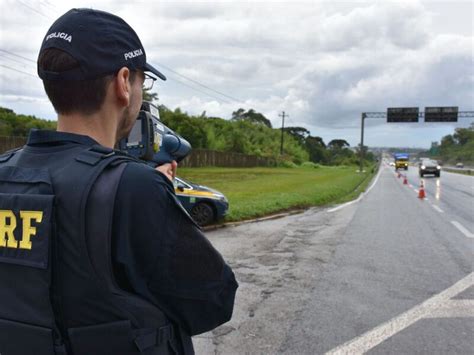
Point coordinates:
[[401, 160]]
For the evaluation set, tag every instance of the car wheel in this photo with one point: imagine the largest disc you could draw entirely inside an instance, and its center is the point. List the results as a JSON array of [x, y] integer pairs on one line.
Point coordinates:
[[437, 174], [202, 213]]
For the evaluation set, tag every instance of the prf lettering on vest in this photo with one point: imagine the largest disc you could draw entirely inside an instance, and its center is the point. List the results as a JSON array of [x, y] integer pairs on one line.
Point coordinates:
[[8, 224]]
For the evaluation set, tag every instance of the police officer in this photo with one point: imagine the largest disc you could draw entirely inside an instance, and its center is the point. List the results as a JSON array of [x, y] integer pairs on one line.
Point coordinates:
[[96, 254]]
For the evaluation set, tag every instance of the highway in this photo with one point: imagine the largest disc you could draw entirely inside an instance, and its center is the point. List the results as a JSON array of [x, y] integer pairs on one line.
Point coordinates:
[[453, 194], [390, 273]]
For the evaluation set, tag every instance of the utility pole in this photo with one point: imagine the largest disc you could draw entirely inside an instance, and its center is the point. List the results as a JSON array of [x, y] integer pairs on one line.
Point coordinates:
[[282, 115], [363, 117]]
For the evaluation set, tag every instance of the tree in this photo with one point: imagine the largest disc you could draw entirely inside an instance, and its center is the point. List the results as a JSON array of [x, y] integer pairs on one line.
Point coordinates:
[[338, 144], [12, 124], [463, 135], [300, 133], [447, 141], [191, 128], [319, 140], [367, 155], [340, 153], [316, 149], [251, 116], [239, 114]]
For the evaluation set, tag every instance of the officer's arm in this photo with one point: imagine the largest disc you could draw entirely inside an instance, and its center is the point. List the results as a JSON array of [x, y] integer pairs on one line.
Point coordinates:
[[192, 282], [162, 255]]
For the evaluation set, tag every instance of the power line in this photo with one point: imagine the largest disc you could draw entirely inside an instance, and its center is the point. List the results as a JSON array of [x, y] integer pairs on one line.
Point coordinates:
[[48, 4], [202, 92], [13, 60], [176, 80], [19, 71], [19, 56], [198, 83], [33, 9]]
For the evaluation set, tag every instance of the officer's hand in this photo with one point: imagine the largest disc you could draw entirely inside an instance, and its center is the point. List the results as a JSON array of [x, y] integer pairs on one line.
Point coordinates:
[[169, 169]]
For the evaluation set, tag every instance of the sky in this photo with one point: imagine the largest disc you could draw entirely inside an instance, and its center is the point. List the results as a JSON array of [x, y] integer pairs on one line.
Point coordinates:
[[322, 62]]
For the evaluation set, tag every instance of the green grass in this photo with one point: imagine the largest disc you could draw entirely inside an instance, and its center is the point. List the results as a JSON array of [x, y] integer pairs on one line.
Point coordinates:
[[256, 192]]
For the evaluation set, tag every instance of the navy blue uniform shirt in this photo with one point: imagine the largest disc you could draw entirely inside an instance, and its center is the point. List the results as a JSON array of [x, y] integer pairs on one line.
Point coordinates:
[[158, 252]]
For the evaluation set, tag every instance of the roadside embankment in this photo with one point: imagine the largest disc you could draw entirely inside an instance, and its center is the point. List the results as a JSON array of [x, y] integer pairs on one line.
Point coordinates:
[[257, 192]]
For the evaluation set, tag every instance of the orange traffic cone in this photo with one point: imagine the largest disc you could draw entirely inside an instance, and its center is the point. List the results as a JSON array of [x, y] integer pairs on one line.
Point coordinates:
[[421, 191], [405, 180]]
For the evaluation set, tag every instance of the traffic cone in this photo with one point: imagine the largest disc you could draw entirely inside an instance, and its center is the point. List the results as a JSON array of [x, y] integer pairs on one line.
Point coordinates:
[[421, 191], [405, 180]]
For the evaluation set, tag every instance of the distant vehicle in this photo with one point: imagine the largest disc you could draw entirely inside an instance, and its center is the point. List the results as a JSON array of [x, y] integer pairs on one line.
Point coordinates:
[[401, 161], [392, 163], [205, 205], [428, 166], [459, 165]]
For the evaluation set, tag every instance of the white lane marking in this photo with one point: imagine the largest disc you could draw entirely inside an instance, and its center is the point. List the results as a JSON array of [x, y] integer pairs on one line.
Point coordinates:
[[437, 208], [344, 205], [372, 338], [416, 190], [454, 309], [462, 229], [359, 198]]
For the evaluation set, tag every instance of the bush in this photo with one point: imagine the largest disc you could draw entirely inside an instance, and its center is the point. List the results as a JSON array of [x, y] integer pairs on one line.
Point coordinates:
[[238, 136], [287, 164], [309, 164], [12, 124]]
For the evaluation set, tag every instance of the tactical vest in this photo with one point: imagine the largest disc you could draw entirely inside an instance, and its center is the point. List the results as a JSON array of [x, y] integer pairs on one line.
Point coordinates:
[[58, 294]]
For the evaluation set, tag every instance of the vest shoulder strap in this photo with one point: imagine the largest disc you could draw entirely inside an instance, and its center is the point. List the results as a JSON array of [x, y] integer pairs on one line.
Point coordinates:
[[100, 214], [100, 210]]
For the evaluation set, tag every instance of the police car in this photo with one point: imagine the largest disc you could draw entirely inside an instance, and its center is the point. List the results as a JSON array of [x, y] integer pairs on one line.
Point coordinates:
[[204, 204]]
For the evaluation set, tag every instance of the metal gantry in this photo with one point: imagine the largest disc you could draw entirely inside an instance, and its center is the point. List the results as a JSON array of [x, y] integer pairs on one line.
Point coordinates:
[[461, 114]]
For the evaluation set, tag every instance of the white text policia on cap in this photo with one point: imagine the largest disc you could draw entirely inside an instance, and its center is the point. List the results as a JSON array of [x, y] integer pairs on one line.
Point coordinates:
[[62, 35], [133, 54]]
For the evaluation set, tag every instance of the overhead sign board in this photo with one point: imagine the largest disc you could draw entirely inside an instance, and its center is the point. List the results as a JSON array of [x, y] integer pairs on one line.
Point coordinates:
[[441, 114], [402, 114]]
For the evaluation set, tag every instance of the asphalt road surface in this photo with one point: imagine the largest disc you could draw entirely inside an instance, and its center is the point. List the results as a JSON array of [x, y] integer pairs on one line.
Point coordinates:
[[388, 274]]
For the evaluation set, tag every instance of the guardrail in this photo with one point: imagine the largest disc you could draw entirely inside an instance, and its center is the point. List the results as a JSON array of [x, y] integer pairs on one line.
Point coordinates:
[[459, 171]]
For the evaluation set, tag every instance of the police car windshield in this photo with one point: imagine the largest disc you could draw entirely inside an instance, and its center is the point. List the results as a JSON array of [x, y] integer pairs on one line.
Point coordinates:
[[179, 182], [180, 179]]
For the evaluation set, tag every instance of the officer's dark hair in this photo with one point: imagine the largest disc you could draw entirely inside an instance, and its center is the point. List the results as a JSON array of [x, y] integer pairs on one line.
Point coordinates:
[[73, 96]]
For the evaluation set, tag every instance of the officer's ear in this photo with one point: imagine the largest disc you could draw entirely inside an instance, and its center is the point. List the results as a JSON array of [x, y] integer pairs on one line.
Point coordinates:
[[123, 87]]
